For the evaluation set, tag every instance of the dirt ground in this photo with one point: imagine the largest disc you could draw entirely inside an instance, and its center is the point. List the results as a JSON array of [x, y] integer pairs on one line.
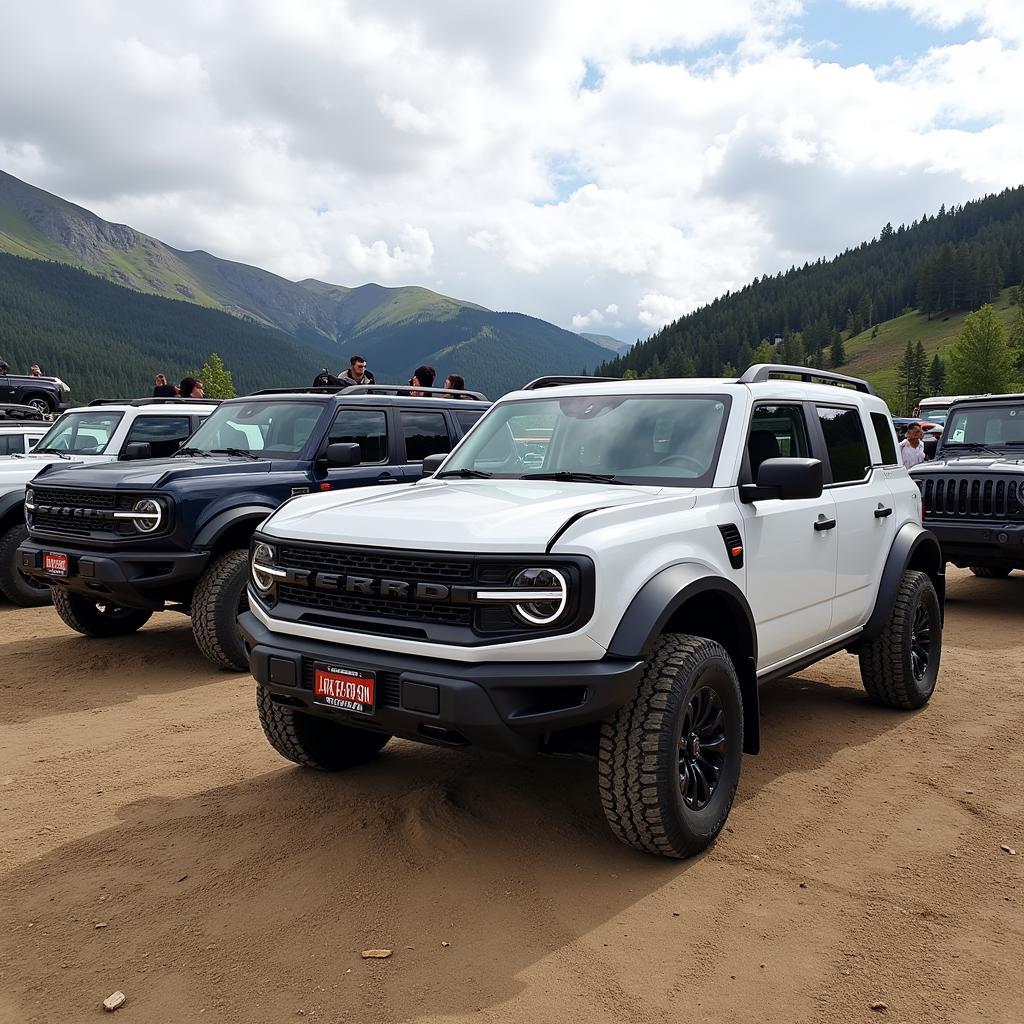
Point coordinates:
[[152, 842]]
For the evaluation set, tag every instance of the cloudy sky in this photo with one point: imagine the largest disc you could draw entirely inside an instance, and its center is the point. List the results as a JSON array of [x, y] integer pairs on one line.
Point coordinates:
[[606, 165]]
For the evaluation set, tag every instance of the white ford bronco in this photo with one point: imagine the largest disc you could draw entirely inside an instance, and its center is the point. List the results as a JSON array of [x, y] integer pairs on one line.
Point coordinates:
[[107, 430], [608, 568]]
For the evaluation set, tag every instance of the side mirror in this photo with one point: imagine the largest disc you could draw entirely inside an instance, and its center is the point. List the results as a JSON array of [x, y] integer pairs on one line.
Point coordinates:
[[136, 450], [785, 479], [432, 463], [342, 454], [930, 442]]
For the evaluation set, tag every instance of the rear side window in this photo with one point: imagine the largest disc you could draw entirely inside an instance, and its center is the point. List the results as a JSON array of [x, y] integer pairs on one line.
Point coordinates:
[[847, 447], [164, 434], [467, 418], [425, 433], [10, 444], [367, 428], [777, 431], [883, 434]]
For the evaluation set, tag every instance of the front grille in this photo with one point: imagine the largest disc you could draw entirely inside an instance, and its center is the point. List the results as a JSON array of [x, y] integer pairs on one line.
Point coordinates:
[[92, 499], [84, 513], [389, 685], [363, 562], [388, 608], [964, 498]]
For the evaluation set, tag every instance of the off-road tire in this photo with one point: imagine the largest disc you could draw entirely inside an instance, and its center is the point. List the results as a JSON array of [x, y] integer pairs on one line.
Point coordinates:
[[95, 617], [16, 587], [640, 776], [887, 665], [315, 742], [988, 572], [216, 602]]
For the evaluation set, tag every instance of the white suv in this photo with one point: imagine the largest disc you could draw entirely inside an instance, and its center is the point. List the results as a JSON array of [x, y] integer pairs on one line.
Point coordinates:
[[21, 426], [105, 431], [604, 567]]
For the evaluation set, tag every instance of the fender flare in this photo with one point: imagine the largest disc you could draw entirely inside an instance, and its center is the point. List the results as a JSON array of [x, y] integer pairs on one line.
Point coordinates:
[[661, 597], [912, 544], [212, 530], [9, 502]]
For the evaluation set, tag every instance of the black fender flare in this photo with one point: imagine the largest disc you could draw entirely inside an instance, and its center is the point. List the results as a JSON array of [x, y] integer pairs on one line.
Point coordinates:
[[212, 530], [662, 596], [8, 503], [913, 546]]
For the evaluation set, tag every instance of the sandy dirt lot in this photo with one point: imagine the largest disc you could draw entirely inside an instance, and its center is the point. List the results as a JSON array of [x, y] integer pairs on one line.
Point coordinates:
[[152, 842]]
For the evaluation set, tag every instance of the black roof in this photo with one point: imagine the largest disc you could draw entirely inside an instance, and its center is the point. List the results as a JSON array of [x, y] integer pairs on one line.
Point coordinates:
[[987, 400]]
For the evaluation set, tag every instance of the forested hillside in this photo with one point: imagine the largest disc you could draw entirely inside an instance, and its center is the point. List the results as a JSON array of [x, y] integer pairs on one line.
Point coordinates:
[[957, 260], [108, 341]]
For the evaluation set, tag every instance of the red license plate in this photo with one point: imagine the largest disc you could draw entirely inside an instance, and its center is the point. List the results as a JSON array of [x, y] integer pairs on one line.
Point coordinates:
[[346, 689], [55, 564]]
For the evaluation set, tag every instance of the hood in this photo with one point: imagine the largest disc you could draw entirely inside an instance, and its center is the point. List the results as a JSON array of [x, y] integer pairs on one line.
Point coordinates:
[[976, 462], [465, 515], [19, 470], [149, 472]]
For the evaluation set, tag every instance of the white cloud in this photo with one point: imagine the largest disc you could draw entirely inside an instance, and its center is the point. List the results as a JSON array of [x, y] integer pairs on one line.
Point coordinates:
[[452, 144]]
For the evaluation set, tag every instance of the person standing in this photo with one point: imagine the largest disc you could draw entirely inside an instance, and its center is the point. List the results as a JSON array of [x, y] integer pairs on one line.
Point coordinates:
[[34, 370], [912, 447], [191, 387], [422, 377], [357, 373], [161, 389], [456, 382]]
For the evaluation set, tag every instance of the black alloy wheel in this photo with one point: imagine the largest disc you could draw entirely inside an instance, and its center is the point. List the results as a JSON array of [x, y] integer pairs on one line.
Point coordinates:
[[920, 642], [702, 748]]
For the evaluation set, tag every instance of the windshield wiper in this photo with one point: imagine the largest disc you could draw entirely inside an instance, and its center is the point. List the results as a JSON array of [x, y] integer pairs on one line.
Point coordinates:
[[466, 474], [52, 451], [566, 475], [236, 451], [191, 451], [975, 447]]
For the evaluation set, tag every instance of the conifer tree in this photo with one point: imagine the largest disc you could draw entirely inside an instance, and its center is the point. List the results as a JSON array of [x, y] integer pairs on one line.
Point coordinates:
[[216, 378], [837, 352], [981, 361], [937, 375]]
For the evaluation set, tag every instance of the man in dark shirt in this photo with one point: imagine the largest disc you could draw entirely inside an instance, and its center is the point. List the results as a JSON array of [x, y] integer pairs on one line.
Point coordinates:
[[162, 389], [357, 373]]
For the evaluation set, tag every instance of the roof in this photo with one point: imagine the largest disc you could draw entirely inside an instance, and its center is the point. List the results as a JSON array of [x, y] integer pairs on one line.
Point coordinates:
[[157, 406], [375, 393], [987, 399]]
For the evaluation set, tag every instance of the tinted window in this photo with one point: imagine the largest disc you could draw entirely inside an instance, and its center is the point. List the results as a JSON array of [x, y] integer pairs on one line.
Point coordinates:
[[10, 444], [883, 433], [847, 447], [367, 428], [777, 432], [425, 434], [164, 434], [468, 418]]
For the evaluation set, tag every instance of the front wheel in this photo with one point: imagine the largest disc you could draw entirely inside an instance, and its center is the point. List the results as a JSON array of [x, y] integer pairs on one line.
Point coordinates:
[[18, 588], [218, 600], [899, 667], [92, 616], [41, 405], [669, 761], [989, 572]]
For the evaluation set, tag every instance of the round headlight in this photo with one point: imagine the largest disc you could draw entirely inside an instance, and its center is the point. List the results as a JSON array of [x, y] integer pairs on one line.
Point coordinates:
[[147, 515], [551, 598], [29, 498], [262, 567]]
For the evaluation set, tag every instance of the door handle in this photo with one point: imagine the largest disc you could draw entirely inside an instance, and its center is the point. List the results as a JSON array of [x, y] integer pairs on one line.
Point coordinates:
[[825, 524], [387, 478], [881, 512]]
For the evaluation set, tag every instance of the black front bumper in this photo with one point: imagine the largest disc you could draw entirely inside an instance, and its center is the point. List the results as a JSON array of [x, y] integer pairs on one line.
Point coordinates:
[[985, 544], [134, 579], [505, 706]]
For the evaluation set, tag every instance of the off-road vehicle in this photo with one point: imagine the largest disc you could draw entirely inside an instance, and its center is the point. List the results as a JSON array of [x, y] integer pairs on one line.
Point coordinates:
[[21, 426], [47, 394], [108, 430], [119, 542], [619, 589], [973, 489]]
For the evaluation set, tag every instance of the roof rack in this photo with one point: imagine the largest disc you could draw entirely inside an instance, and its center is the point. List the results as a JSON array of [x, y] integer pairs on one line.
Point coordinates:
[[375, 389], [11, 411], [761, 372], [556, 382], [136, 402]]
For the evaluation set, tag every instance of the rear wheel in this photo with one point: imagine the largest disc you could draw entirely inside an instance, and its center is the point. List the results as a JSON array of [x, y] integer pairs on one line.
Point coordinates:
[[669, 761], [315, 742], [40, 404], [18, 588], [989, 572], [218, 600], [95, 617]]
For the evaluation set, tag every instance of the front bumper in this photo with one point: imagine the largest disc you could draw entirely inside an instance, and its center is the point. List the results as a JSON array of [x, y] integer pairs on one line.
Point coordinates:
[[504, 706], [984, 544], [134, 579]]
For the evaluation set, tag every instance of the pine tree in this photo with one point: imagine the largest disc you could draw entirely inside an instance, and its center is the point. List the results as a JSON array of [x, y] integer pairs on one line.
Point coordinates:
[[216, 378], [910, 375], [937, 375], [981, 361], [920, 376], [728, 370], [1016, 338], [837, 353]]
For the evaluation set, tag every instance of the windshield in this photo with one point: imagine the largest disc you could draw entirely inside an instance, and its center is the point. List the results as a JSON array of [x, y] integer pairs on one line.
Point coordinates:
[[991, 425], [934, 413], [257, 428], [84, 433], [636, 439]]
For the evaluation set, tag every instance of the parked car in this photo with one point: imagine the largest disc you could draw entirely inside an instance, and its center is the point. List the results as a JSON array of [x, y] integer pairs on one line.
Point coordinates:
[[936, 408], [47, 394], [21, 427]]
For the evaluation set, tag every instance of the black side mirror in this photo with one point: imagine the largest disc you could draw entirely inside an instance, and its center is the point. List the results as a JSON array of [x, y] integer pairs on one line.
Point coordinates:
[[432, 463], [342, 454], [785, 479], [136, 450]]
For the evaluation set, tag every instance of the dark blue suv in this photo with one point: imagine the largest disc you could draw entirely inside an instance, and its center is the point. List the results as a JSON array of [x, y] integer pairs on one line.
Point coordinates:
[[119, 541]]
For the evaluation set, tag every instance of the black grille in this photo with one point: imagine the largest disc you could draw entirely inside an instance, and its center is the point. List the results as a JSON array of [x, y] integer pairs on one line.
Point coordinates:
[[387, 608], [77, 513], [965, 498], [389, 685], [76, 499], [371, 563]]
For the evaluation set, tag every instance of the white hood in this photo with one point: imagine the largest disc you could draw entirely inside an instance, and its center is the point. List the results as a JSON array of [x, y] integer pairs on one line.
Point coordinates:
[[16, 472], [464, 515]]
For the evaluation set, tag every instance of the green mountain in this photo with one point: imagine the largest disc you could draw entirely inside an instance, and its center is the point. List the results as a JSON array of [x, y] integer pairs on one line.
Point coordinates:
[[395, 328]]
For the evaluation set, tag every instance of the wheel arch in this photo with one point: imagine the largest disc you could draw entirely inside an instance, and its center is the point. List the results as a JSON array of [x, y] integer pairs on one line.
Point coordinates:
[[12, 510], [685, 598], [231, 528]]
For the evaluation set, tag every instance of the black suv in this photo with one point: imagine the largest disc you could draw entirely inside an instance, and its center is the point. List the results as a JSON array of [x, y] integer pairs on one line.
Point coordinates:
[[119, 541], [973, 490], [46, 394]]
